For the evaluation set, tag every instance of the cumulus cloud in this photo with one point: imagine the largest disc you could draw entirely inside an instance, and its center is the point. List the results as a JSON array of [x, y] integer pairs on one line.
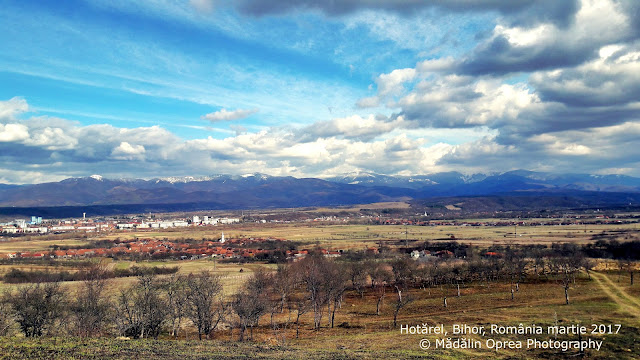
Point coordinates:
[[436, 65], [549, 45], [126, 151], [393, 83], [13, 132], [611, 79], [51, 138], [58, 148], [14, 176], [351, 127], [226, 115], [593, 150], [576, 106], [598, 89], [460, 101], [12, 107]]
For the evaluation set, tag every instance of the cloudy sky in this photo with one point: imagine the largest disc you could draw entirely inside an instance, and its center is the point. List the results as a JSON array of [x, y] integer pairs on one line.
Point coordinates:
[[317, 88]]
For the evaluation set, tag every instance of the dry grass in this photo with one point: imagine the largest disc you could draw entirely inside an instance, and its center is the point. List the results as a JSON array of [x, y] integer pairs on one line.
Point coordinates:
[[365, 335], [358, 236], [359, 333]]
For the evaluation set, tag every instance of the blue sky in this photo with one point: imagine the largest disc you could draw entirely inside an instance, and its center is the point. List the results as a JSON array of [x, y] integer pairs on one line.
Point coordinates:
[[314, 88]]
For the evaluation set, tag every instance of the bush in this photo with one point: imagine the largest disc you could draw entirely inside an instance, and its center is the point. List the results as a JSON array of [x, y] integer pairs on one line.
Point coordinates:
[[37, 307]]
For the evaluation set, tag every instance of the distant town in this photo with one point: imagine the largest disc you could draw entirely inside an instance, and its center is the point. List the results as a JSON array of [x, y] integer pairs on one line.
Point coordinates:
[[38, 225], [244, 248]]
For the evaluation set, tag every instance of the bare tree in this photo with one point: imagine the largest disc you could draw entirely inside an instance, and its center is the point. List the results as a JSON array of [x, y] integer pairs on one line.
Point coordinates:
[[203, 308], [566, 267], [402, 300], [175, 288], [539, 261], [628, 265], [37, 307], [314, 270], [251, 302], [515, 266], [6, 317], [336, 286], [358, 275], [589, 264], [141, 310], [89, 310], [380, 277], [284, 281], [301, 303], [403, 272]]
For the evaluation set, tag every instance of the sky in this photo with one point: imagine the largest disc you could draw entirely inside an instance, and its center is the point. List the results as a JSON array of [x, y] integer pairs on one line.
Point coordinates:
[[314, 88]]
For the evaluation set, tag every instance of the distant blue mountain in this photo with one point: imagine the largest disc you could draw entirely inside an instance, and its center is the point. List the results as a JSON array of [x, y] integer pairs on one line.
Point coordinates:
[[262, 191]]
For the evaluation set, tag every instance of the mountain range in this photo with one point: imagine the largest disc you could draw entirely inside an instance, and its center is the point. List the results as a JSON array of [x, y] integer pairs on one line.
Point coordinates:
[[264, 191]]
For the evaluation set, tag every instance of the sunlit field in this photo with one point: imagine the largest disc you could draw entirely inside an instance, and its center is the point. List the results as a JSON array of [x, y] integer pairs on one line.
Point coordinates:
[[602, 296]]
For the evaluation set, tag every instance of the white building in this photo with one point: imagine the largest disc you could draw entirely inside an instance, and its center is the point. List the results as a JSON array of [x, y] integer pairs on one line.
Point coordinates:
[[21, 223], [39, 230], [229, 220], [87, 228], [10, 230], [63, 228]]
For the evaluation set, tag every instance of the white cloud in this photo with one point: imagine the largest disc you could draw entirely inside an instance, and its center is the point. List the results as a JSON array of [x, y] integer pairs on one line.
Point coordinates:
[[436, 65], [51, 138], [549, 45], [13, 132], [393, 82], [609, 80], [13, 176], [226, 115], [126, 151], [353, 127], [458, 101], [12, 107]]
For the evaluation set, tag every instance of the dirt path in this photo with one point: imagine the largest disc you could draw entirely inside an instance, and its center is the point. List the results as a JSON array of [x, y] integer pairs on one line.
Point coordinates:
[[626, 302]]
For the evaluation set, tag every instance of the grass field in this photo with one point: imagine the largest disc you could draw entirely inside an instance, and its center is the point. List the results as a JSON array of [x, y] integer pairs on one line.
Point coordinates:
[[359, 333], [357, 236], [606, 298], [230, 274]]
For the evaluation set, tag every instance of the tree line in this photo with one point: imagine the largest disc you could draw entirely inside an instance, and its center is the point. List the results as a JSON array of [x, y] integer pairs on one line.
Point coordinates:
[[20, 276]]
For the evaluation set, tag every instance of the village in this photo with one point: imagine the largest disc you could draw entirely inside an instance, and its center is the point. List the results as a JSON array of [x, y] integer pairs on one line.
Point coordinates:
[[234, 249]]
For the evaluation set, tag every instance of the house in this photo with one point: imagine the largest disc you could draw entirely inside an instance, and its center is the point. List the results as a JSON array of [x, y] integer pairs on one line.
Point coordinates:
[[36, 229], [422, 255], [492, 254], [63, 228], [10, 230], [444, 254], [58, 254]]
